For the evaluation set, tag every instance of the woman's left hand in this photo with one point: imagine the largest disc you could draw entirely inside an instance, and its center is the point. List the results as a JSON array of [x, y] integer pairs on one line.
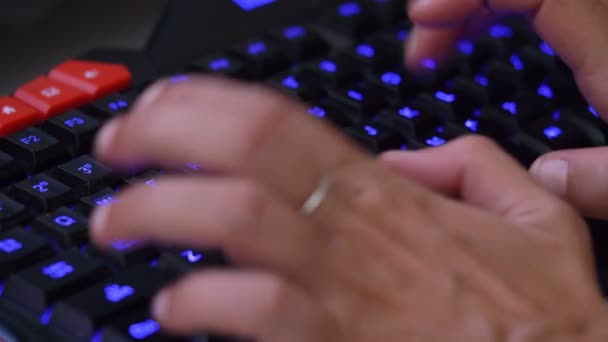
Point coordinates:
[[383, 258]]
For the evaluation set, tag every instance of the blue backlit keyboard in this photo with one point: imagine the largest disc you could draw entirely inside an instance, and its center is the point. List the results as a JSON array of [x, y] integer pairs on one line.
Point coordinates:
[[344, 62]]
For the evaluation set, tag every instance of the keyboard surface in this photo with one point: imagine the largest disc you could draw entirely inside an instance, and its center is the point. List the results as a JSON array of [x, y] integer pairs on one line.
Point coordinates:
[[345, 62]]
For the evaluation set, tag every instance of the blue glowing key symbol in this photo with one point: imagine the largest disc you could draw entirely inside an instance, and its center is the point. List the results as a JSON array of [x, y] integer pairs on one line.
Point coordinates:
[[219, 64], [73, 122], [143, 330], [429, 64], [391, 78], [291, 82], [65, 221], [473, 125], [501, 31], [86, 169], [294, 32], [257, 48], [192, 256], [355, 95], [594, 112], [123, 245], [349, 9], [10, 246], [328, 66], [41, 187], [402, 35], [105, 200], [466, 47], [371, 130], [116, 293], [546, 91], [58, 270], [553, 132], [118, 105], [435, 141], [445, 96], [366, 50], [317, 111], [250, 5], [546, 48], [32, 139], [409, 113], [510, 107], [517, 63], [482, 80]]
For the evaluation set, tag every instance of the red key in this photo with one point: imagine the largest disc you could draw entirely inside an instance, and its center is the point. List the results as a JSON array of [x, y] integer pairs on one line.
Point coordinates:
[[51, 97], [15, 115], [94, 78]]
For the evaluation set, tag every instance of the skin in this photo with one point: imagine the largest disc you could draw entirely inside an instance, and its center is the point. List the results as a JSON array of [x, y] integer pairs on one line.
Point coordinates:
[[578, 176], [473, 251]]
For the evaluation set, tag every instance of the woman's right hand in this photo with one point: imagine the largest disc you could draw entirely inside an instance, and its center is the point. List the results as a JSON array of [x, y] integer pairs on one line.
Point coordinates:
[[578, 31]]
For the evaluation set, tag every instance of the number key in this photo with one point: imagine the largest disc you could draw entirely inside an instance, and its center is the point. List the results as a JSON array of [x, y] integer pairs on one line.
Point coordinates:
[[74, 128], [36, 148], [42, 193], [86, 175]]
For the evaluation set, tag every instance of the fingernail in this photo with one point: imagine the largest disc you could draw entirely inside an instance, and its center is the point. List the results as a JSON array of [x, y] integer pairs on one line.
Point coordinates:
[[160, 306], [552, 174], [98, 220], [150, 95], [105, 137]]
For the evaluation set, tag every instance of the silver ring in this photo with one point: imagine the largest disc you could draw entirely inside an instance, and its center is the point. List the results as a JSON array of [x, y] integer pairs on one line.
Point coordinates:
[[313, 203]]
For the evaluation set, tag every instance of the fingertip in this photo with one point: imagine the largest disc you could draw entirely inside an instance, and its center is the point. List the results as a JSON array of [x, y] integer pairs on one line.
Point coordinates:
[[98, 223], [161, 305], [106, 137], [552, 174]]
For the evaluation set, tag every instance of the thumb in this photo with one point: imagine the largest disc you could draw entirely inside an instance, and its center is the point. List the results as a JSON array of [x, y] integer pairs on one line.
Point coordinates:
[[580, 176]]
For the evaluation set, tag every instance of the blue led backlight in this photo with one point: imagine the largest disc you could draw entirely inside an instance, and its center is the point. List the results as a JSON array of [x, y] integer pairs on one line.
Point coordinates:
[[328, 66], [219, 64], [510, 107], [594, 112], [501, 31], [517, 63], [466, 47], [317, 111], [429, 64], [483, 80], [473, 125], [402, 35], [553, 132], [366, 50], [105, 200], [547, 49], [118, 105], [391, 78], [372, 131], [291, 82], [545, 91], [143, 330], [294, 32], [65, 221], [409, 113], [116, 293], [10, 246], [435, 141], [257, 48], [445, 96], [58, 270], [250, 5], [349, 9], [192, 256], [355, 95]]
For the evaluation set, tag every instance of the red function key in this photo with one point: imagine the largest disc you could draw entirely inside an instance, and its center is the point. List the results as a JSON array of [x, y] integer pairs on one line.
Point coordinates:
[[51, 97], [94, 78], [15, 115]]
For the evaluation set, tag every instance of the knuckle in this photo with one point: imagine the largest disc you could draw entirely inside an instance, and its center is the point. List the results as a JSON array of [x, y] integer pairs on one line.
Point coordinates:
[[247, 204]]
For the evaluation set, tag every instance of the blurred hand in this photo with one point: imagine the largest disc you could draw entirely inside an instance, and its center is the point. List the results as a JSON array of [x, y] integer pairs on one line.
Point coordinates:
[[578, 31], [383, 259]]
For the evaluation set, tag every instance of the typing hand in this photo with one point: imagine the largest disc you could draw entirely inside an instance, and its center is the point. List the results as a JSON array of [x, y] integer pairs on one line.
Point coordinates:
[[382, 258], [577, 30]]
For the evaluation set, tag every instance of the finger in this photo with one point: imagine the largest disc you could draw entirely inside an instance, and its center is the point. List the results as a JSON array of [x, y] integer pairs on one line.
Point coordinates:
[[229, 127], [442, 12], [430, 45], [480, 173], [245, 304], [238, 216], [577, 176]]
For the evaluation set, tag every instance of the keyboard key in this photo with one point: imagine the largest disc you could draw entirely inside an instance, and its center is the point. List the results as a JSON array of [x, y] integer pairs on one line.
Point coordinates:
[[94, 78], [502, 80], [43, 284], [432, 105], [329, 71], [528, 107], [525, 148], [304, 89], [16, 115], [127, 253], [386, 12], [224, 65], [410, 120], [301, 42], [10, 169], [86, 175], [469, 96], [487, 48], [335, 113], [51, 97], [361, 98], [82, 313], [565, 90], [186, 260], [104, 197], [42, 193], [138, 326], [398, 85], [63, 225], [566, 133], [149, 178], [536, 65], [351, 19], [19, 249], [75, 129], [110, 106], [34, 147], [262, 57], [376, 138], [370, 55], [12, 213]]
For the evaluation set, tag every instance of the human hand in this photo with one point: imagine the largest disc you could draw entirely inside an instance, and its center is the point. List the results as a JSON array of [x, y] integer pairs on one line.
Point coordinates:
[[382, 259], [577, 30]]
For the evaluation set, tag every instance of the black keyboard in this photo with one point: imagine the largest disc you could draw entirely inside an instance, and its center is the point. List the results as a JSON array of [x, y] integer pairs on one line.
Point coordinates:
[[345, 61]]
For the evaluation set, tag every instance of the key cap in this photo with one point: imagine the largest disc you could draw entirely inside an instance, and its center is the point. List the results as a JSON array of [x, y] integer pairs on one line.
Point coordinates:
[[34, 147], [94, 78], [138, 326], [225, 65], [398, 84], [564, 134], [12, 213], [104, 197], [19, 249], [335, 113], [469, 96], [386, 12], [392, 39], [293, 85], [491, 122], [16, 115], [376, 138], [63, 225], [361, 98], [75, 129], [110, 106], [411, 120], [127, 253], [10, 169], [86, 175], [425, 103], [528, 107], [186, 260], [261, 57], [51, 97], [566, 92], [369, 55], [301, 42], [351, 19], [442, 135], [42, 193], [525, 148], [329, 71], [82, 313], [486, 49], [503, 81], [148, 178], [536, 65], [43, 284]]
